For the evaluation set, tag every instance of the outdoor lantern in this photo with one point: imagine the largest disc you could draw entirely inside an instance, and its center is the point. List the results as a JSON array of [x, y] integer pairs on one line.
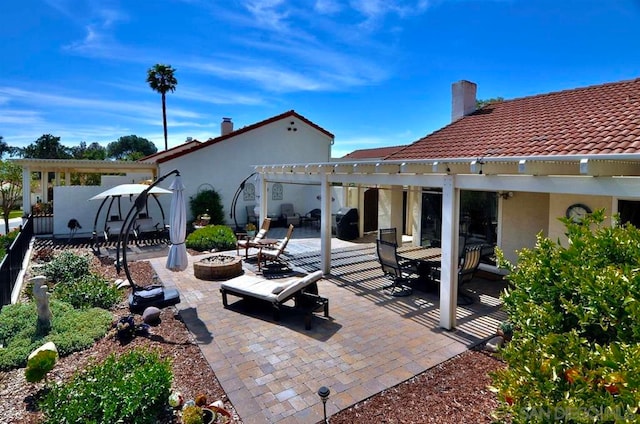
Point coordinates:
[[323, 392]]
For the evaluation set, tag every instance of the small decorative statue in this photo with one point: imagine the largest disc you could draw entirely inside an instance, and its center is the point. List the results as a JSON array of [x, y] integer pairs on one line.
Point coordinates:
[[41, 294]]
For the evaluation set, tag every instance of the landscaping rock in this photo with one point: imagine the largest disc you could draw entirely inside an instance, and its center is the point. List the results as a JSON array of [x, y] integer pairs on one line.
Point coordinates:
[[151, 315], [494, 344], [47, 346]]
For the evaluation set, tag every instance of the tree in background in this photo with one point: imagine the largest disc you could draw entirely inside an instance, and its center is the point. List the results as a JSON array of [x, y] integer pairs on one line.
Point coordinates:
[[46, 147], [161, 79], [130, 147], [482, 103], [93, 151], [4, 147], [10, 189]]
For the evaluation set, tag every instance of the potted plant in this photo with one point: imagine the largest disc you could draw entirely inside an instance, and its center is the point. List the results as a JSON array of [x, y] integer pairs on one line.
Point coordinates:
[[250, 228]]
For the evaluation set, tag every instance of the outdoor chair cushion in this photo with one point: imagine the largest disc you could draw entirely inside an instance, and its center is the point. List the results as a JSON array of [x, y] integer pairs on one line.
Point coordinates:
[[271, 290], [303, 290]]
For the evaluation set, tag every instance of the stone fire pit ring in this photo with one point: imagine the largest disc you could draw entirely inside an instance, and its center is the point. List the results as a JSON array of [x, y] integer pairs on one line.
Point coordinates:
[[218, 267]]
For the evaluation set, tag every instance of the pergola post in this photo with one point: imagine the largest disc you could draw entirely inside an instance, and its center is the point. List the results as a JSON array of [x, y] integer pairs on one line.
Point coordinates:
[[449, 262], [325, 225], [26, 190]]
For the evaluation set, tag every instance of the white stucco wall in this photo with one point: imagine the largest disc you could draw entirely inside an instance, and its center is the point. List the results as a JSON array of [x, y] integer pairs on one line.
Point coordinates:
[[225, 164], [523, 216], [73, 202], [558, 207]]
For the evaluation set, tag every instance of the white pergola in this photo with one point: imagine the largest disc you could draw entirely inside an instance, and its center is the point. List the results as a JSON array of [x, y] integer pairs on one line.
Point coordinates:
[[68, 166], [603, 175]]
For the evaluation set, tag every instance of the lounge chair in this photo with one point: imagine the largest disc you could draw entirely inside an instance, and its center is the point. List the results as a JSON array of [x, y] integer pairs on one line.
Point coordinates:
[[248, 243], [272, 253], [288, 214], [303, 290]]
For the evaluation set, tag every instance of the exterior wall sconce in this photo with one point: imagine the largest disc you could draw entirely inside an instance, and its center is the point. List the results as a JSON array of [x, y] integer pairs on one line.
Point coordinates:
[[505, 194]]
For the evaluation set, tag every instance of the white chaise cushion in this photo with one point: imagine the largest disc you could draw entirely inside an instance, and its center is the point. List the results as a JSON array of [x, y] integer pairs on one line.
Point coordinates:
[[299, 285], [272, 290]]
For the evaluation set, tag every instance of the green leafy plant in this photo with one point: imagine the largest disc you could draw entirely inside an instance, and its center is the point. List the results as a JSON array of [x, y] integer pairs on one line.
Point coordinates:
[[88, 291], [67, 267], [6, 240], [192, 414], [71, 330], [208, 202], [576, 351], [40, 364], [218, 237], [131, 388]]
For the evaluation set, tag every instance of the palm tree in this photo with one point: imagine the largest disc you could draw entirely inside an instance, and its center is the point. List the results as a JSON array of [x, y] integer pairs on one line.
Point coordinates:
[[161, 79]]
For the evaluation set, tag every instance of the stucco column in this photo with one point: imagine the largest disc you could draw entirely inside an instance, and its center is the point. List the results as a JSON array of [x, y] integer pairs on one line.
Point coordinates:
[[67, 177], [325, 225], [390, 209], [26, 190], [44, 178], [414, 205], [449, 264], [263, 199]]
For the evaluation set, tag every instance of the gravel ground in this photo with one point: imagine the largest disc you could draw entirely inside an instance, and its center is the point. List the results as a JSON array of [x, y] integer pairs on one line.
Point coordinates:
[[452, 392]]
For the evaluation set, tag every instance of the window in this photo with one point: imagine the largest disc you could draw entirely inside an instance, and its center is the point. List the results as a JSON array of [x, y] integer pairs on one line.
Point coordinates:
[[478, 219]]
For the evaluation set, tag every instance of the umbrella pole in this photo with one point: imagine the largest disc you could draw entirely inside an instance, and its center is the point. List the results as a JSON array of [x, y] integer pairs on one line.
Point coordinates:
[[138, 206]]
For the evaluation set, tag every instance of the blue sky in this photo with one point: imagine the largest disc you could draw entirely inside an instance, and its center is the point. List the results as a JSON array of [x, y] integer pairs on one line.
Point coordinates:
[[373, 72]]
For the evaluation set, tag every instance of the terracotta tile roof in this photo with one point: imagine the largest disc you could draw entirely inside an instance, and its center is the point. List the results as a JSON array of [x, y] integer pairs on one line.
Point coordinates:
[[184, 146], [244, 130], [379, 152], [602, 119]]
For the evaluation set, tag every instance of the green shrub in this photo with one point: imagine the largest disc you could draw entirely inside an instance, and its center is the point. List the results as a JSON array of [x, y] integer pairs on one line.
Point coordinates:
[[209, 202], [89, 291], [131, 388], [192, 414], [6, 240], [219, 237], [575, 310], [71, 330], [67, 267]]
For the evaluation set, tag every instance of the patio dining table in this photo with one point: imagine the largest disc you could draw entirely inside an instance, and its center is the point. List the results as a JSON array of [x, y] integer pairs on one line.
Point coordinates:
[[426, 258]]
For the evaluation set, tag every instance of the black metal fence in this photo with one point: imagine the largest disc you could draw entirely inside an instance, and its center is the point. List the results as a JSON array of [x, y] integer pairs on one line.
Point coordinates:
[[12, 262]]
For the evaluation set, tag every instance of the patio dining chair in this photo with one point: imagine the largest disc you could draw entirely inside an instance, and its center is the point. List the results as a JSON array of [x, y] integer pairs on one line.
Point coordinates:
[[268, 254], [248, 243], [466, 270], [388, 234], [401, 272]]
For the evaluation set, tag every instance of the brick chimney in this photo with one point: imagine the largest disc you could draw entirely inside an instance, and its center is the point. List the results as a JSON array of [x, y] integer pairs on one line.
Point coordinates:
[[463, 99], [226, 127]]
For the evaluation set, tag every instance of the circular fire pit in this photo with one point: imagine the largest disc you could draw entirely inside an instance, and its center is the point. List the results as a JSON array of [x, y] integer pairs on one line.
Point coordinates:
[[218, 267]]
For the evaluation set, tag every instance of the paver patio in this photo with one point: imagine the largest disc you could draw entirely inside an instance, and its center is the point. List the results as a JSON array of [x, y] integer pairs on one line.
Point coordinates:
[[271, 371]]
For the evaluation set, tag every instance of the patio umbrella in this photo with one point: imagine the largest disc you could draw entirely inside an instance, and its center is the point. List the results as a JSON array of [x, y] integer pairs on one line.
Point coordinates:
[[177, 258]]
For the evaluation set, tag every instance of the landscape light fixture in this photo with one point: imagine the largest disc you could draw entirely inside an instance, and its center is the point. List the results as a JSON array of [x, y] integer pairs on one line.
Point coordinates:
[[324, 392]]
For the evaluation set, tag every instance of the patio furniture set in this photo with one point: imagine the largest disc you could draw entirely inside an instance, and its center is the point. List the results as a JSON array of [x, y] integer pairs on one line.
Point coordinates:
[[407, 268], [303, 290]]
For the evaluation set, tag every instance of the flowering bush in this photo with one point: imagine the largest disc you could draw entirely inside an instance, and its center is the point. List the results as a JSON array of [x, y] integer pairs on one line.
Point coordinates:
[[576, 352]]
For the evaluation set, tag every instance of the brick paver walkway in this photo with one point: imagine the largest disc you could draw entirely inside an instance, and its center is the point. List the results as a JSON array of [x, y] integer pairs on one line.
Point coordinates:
[[272, 371]]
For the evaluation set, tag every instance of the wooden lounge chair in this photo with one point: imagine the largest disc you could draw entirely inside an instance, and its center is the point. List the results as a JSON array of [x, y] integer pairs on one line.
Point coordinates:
[[246, 244], [272, 253], [303, 290]]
